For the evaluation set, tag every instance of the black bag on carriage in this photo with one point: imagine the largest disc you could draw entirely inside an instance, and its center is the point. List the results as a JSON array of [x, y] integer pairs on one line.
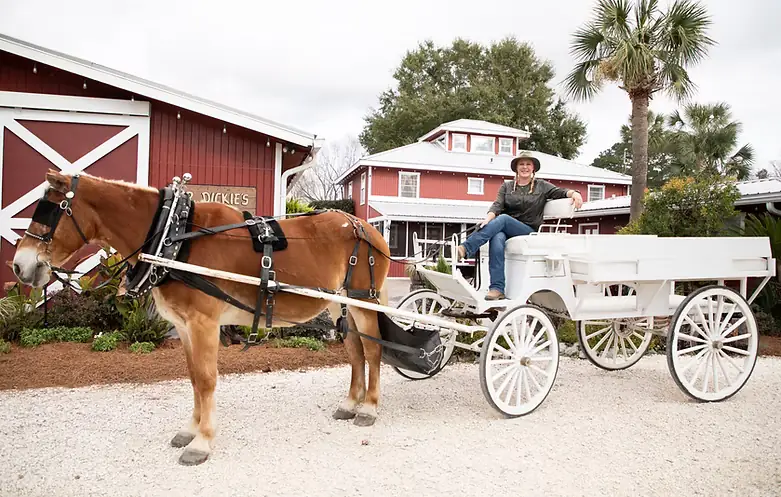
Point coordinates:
[[421, 349]]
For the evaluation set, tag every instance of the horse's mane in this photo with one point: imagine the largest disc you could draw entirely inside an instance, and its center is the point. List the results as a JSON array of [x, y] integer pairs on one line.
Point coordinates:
[[121, 183]]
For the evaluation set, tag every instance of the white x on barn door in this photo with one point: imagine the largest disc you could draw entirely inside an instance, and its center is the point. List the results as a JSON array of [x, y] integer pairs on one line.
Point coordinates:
[[108, 138]]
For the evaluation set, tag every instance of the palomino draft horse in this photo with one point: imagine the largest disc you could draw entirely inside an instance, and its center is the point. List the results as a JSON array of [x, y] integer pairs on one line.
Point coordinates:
[[318, 254]]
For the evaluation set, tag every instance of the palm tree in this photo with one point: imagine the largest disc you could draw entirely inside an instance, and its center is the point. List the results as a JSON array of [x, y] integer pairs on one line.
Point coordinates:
[[644, 54], [705, 137]]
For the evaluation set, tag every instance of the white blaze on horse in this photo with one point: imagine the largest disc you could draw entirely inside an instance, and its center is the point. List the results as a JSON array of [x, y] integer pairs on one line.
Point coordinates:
[[320, 252]]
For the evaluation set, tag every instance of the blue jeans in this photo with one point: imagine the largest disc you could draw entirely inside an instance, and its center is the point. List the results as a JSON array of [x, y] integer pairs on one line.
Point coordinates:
[[497, 231]]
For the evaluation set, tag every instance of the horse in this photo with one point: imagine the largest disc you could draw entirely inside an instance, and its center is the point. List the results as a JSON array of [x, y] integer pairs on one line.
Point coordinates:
[[119, 214]]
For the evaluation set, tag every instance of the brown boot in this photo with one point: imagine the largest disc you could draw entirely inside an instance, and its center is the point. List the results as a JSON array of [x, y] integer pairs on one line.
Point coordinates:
[[494, 295], [461, 253]]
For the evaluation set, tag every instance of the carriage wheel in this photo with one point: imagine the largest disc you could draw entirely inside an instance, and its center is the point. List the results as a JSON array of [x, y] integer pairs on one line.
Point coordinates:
[[519, 360], [431, 303], [618, 343], [615, 344], [712, 344]]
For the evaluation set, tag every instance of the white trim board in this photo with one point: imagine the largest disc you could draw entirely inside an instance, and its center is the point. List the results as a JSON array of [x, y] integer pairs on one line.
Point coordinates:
[[68, 103], [155, 91]]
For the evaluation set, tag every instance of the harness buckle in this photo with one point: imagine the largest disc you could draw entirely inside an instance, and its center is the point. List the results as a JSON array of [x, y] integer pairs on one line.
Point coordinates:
[[250, 222], [353, 260], [371, 260], [265, 262]]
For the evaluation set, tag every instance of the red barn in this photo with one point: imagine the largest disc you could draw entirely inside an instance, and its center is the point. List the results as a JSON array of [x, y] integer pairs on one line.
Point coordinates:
[[445, 182], [58, 111]]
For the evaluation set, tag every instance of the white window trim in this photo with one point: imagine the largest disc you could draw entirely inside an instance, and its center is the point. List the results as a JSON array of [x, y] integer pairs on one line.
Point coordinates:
[[481, 188], [595, 187], [363, 188], [350, 190], [500, 146], [587, 225], [453, 142], [417, 183]]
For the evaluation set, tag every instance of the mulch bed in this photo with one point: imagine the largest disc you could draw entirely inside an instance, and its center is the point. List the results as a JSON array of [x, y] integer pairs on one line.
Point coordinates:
[[75, 364]]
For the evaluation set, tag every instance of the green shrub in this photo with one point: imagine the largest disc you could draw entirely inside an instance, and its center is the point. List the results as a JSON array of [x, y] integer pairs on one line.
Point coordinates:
[[5, 347], [766, 323], [567, 332], [17, 312], [140, 323], [299, 342], [347, 205], [142, 347], [105, 342], [31, 337], [294, 205], [94, 309], [688, 207]]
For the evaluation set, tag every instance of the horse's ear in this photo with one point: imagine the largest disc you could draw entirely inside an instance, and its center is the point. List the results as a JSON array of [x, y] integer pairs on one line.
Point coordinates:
[[58, 181]]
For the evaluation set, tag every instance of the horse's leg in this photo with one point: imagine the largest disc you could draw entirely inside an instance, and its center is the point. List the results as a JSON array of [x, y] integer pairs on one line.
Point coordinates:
[[190, 430], [347, 408], [204, 338], [366, 322]]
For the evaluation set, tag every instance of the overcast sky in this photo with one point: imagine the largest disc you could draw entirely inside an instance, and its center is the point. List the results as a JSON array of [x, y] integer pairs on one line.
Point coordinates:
[[320, 65]]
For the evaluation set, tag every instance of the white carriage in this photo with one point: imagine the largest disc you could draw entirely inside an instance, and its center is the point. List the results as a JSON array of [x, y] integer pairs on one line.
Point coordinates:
[[620, 290]]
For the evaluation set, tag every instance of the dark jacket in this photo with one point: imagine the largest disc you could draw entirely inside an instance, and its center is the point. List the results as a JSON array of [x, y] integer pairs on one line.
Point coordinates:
[[517, 202]]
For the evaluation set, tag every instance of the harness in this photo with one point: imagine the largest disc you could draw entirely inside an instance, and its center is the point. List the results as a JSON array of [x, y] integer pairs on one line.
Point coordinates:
[[169, 237]]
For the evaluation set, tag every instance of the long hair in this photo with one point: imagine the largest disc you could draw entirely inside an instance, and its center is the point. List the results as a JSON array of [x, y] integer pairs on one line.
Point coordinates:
[[531, 183]]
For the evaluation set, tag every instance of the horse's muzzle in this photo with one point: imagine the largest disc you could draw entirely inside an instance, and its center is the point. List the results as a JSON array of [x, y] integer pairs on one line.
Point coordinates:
[[29, 270]]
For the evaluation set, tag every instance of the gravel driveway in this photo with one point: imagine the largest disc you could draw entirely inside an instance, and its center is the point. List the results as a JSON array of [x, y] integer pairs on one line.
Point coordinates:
[[630, 433]]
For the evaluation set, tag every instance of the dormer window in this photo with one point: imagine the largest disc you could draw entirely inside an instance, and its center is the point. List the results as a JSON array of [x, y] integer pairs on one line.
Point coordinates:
[[506, 146], [483, 144], [459, 142]]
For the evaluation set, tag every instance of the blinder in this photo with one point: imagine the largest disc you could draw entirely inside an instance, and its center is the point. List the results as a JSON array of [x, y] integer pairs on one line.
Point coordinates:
[[48, 213]]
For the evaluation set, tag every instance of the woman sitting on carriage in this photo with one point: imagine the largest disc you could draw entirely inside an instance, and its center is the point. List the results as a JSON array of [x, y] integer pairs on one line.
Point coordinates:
[[517, 211]]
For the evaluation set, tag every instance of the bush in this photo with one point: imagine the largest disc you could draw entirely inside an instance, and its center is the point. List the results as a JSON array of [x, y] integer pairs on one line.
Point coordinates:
[[105, 342], [299, 342], [688, 207], [90, 309], [766, 323], [142, 347], [141, 323], [17, 312], [31, 337], [294, 206], [347, 205], [5, 347]]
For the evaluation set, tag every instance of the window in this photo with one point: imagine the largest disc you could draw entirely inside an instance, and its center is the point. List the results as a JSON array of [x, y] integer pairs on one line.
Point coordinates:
[[588, 229], [409, 185], [459, 142], [506, 146], [474, 186], [482, 144], [595, 192], [363, 188], [442, 141], [350, 190]]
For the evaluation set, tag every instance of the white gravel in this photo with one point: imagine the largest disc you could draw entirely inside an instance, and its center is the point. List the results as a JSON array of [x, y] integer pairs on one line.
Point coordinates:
[[599, 433]]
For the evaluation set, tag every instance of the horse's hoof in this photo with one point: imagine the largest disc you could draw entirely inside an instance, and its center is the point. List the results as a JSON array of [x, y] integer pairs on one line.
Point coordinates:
[[343, 414], [364, 419], [193, 457], [182, 439]]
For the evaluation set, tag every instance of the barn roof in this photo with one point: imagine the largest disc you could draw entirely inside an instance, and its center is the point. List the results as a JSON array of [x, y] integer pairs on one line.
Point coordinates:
[[433, 157], [157, 91]]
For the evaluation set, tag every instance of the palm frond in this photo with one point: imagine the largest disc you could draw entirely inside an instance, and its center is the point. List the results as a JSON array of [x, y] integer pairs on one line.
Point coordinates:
[[676, 80], [685, 29], [644, 12], [612, 17], [581, 83], [586, 43]]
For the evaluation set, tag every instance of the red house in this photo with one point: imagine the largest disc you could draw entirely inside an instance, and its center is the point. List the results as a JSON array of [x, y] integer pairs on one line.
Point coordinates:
[[445, 182], [58, 111]]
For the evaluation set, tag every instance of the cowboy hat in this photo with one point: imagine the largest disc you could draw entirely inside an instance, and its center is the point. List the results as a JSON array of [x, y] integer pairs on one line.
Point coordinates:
[[525, 155]]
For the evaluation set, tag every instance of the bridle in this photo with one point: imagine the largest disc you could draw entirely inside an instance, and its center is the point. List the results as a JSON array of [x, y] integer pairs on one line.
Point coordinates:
[[48, 214]]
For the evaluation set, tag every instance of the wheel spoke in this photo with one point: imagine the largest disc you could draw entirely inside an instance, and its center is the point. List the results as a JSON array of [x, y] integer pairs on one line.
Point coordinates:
[[737, 351], [696, 326], [693, 338], [733, 326], [736, 338], [508, 369], [603, 330], [691, 349]]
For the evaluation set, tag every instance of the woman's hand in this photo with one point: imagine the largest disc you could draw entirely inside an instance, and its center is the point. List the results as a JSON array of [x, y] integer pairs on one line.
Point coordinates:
[[576, 198], [487, 219]]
